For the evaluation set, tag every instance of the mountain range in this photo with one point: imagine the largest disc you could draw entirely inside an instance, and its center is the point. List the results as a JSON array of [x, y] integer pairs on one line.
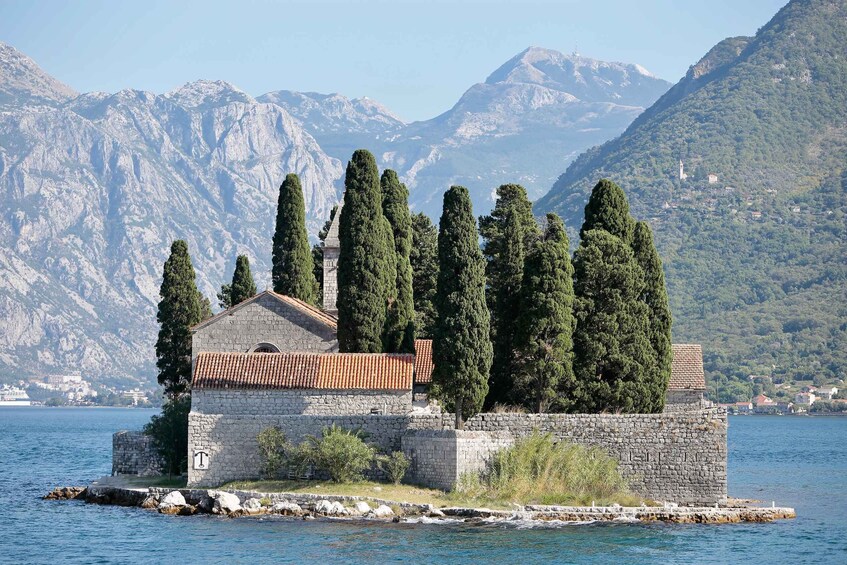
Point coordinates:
[[753, 229], [95, 186]]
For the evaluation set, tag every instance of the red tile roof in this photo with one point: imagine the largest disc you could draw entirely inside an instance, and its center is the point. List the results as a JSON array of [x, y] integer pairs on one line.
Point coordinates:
[[370, 371], [304, 307], [687, 368], [423, 361]]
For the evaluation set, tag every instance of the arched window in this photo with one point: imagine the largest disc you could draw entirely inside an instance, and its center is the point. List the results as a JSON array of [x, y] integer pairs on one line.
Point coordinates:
[[264, 348]]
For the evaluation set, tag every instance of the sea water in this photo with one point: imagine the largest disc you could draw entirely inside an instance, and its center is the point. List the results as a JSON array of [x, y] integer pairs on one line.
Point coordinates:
[[795, 461]]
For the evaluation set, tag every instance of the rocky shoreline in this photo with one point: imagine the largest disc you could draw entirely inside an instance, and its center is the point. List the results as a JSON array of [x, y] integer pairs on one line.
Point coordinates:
[[237, 503]]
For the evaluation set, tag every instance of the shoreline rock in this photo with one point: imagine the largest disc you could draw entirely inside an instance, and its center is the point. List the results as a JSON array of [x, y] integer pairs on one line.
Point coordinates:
[[186, 502]]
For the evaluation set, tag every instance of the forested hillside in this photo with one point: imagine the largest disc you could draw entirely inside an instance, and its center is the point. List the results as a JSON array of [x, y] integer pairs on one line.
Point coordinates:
[[753, 233]]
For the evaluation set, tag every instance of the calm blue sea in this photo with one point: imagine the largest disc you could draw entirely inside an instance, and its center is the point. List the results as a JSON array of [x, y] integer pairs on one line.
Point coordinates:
[[800, 462]]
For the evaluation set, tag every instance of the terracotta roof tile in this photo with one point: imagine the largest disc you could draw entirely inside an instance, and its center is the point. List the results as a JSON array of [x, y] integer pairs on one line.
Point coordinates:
[[382, 371], [423, 361], [687, 368]]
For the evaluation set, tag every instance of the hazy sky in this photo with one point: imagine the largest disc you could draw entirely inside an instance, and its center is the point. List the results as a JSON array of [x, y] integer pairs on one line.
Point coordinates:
[[417, 58]]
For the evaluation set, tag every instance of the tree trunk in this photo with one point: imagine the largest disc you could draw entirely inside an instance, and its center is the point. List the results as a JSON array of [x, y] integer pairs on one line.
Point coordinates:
[[460, 424]]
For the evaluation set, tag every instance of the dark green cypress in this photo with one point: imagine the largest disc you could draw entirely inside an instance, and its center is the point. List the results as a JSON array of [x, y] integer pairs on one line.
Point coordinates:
[[318, 253], [655, 295], [242, 286], [608, 209], [461, 349], [424, 260], [613, 359], [544, 329], [400, 324], [366, 264], [292, 258], [508, 233], [179, 309]]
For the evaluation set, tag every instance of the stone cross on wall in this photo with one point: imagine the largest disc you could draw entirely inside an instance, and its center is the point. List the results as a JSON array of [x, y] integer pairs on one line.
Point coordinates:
[[332, 249]]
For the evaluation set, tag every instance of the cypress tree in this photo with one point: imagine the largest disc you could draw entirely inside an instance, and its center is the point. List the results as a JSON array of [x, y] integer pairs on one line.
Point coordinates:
[[613, 359], [292, 259], [461, 349], [366, 265], [608, 209], [655, 295], [400, 324], [242, 286], [179, 309], [424, 260], [545, 326], [508, 233], [318, 253]]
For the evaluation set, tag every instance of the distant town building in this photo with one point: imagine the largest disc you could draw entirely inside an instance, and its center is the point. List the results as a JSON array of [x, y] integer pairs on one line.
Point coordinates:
[[805, 398], [682, 174], [713, 178], [63, 380], [764, 405], [827, 392]]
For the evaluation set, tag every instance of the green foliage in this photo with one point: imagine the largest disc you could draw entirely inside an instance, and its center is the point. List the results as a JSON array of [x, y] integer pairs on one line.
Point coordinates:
[[656, 297], [424, 260], [461, 348], [340, 453], [400, 323], [169, 431], [242, 286], [318, 253], [545, 324], [292, 258], [179, 309], [276, 452], [538, 471], [608, 209], [767, 115], [828, 407], [366, 265], [394, 466], [508, 232], [613, 359]]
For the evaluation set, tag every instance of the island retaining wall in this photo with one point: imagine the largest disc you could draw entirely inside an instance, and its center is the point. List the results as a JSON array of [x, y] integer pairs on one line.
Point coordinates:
[[133, 453], [679, 457]]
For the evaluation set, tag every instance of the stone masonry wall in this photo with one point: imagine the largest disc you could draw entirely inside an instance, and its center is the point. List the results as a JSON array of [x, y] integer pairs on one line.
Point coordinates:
[[678, 400], [679, 457], [267, 320], [133, 454], [439, 458], [230, 440], [295, 402]]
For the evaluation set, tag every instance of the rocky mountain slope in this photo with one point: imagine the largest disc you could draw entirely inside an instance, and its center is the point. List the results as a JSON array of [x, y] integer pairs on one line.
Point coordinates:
[[525, 123], [755, 253], [95, 186]]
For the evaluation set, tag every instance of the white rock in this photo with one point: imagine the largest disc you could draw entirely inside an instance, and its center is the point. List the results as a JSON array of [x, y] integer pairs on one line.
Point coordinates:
[[252, 504], [287, 509], [173, 498], [363, 507], [338, 509], [381, 511], [225, 502], [323, 507]]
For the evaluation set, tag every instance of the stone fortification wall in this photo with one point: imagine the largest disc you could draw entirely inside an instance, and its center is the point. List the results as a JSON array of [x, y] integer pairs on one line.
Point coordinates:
[[681, 400], [267, 320], [133, 454], [230, 440], [679, 457], [439, 458], [300, 402]]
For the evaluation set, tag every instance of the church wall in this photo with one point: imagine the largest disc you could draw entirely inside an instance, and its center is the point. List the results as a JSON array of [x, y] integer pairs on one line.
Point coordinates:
[[300, 402], [265, 320]]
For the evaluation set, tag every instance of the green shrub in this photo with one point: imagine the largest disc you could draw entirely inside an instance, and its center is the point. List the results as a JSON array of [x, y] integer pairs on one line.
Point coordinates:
[[537, 470], [340, 453], [275, 451], [394, 466], [169, 431]]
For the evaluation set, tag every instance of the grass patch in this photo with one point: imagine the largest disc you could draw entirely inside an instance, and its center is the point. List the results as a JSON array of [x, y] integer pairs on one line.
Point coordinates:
[[536, 470]]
